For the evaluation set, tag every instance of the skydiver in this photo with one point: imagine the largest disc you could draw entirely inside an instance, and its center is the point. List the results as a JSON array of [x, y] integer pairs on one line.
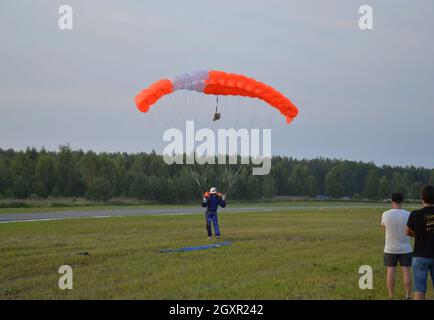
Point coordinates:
[[211, 201]]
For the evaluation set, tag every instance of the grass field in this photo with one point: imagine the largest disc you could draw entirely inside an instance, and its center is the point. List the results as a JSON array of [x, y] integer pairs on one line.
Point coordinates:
[[284, 254]]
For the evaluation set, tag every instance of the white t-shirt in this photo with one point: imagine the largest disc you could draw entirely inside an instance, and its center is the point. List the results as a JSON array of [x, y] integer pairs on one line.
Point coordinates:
[[395, 221]]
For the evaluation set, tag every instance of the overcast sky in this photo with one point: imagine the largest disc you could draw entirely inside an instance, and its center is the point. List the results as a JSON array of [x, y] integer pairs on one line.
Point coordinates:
[[362, 95]]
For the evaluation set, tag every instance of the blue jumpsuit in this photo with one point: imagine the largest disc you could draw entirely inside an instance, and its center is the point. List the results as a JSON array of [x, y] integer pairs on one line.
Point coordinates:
[[212, 202]]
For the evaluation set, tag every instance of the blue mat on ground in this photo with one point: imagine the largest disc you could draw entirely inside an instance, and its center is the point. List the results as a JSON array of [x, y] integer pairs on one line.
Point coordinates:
[[210, 246]]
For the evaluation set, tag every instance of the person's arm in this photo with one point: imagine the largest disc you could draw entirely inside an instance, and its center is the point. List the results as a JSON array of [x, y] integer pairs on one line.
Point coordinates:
[[222, 201], [204, 202], [409, 232], [410, 225], [382, 223]]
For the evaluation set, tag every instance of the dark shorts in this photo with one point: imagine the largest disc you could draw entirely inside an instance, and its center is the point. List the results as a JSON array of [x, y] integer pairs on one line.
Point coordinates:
[[391, 259]]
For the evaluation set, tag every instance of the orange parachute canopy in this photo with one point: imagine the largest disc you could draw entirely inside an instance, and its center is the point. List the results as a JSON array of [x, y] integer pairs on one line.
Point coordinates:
[[217, 83]]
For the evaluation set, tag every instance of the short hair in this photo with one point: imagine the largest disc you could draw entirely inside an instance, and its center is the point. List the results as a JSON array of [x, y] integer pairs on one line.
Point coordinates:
[[427, 194], [397, 197]]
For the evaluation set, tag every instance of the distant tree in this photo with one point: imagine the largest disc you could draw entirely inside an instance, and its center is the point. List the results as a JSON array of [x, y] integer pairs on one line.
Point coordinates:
[[372, 185], [333, 183], [268, 187], [253, 188], [56, 192], [45, 174], [399, 183], [99, 190], [69, 180], [145, 176], [301, 182], [431, 178], [21, 188], [384, 188], [165, 191], [22, 174], [5, 177], [23, 166], [89, 168], [185, 189], [280, 177], [140, 188], [40, 189], [414, 190]]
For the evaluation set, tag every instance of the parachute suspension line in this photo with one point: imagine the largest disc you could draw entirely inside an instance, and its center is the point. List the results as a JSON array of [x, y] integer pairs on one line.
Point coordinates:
[[223, 109], [168, 111], [227, 175], [280, 130], [175, 106], [217, 104], [185, 97], [198, 100], [226, 111], [206, 174], [202, 112], [216, 113], [196, 177], [269, 120], [222, 183], [160, 117], [233, 178], [253, 117], [187, 102], [236, 116]]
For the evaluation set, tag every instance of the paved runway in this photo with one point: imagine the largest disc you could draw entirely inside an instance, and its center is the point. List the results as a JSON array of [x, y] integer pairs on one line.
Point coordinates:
[[41, 216]]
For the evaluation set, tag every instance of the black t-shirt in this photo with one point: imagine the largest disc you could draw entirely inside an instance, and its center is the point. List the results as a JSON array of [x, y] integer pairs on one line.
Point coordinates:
[[422, 223]]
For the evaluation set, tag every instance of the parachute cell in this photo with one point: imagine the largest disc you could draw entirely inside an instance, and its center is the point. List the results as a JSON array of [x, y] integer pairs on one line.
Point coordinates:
[[217, 83]]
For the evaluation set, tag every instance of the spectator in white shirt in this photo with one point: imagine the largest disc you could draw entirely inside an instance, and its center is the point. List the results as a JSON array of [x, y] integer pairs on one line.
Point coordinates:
[[397, 247]]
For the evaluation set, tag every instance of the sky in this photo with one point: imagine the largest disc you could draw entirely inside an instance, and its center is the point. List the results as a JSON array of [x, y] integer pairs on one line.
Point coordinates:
[[364, 95]]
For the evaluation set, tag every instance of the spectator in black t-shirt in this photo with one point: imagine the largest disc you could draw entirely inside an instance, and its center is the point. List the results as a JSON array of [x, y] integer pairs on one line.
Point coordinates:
[[421, 226]]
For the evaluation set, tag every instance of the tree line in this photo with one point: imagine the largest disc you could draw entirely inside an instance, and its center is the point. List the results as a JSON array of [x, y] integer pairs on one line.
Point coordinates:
[[145, 176]]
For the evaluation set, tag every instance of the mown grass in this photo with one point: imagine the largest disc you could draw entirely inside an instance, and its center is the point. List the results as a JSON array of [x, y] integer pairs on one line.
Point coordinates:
[[308, 254]]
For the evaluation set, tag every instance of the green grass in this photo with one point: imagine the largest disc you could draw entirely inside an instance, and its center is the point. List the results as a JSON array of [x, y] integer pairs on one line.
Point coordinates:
[[294, 254]]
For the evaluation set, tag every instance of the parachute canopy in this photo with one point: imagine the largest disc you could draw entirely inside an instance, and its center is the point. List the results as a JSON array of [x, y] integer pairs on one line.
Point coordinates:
[[217, 83]]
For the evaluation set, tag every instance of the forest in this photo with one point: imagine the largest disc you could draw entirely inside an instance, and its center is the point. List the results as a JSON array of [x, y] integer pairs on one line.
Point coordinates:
[[69, 173]]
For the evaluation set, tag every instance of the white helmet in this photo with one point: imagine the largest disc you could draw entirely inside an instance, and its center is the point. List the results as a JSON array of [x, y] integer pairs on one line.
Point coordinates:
[[213, 190]]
